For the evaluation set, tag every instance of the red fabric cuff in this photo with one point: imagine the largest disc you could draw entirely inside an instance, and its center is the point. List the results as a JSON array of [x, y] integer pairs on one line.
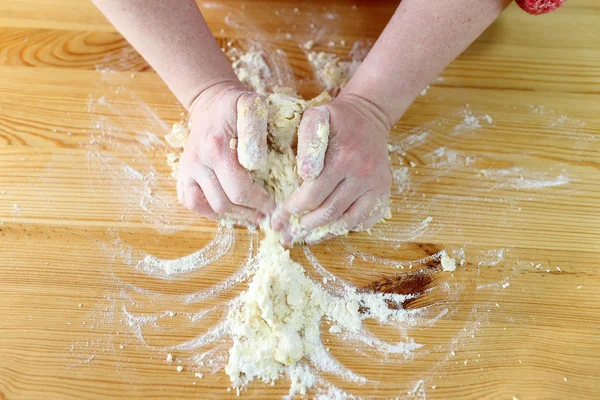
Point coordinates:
[[537, 7]]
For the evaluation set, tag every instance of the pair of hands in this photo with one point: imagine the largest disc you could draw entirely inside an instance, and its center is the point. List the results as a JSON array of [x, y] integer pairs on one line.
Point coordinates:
[[355, 175]]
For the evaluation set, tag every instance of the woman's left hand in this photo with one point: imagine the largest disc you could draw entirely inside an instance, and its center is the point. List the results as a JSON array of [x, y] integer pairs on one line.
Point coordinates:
[[353, 187]]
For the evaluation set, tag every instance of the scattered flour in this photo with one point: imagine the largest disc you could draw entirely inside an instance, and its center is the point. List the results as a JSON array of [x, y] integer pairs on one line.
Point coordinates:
[[471, 122], [214, 250], [268, 313], [289, 324]]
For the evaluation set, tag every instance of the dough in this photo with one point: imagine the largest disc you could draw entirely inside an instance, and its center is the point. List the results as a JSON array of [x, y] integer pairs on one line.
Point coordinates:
[[276, 323]]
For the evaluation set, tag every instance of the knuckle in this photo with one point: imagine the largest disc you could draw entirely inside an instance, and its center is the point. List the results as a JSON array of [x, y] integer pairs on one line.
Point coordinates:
[[329, 213], [349, 155], [215, 144], [367, 168]]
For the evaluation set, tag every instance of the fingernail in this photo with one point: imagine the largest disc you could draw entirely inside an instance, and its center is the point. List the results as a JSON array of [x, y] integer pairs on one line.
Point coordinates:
[[306, 169], [277, 225], [287, 238]]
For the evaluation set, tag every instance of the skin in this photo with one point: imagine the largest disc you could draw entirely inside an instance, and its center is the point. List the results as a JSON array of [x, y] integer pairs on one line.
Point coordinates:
[[421, 39]]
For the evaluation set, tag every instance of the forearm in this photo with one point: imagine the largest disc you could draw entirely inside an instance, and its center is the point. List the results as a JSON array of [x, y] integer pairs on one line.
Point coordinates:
[[420, 40], [175, 40]]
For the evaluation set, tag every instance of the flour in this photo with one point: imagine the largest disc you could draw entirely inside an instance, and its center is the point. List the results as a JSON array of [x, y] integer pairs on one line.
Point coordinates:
[[276, 323], [213, 251], [309, 370], [279, 321], [471, 122]]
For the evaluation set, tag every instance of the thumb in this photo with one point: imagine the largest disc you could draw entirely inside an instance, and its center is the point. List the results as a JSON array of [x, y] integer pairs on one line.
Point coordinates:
[[313, 137], [252, 115]]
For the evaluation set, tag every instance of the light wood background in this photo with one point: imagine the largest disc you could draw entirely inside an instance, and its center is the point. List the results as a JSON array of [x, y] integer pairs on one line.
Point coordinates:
[[84, 188]]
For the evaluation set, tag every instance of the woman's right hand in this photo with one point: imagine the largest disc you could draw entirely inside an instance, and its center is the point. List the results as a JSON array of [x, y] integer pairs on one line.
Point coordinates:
[[212, 181]]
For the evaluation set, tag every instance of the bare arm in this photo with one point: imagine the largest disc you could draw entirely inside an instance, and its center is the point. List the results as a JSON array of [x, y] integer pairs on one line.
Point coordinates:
[[420, 40], [174, 38]]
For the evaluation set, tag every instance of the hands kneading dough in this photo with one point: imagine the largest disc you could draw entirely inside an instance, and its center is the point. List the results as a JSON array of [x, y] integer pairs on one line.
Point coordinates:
[[211, 180], [239, 163], [345, 188]]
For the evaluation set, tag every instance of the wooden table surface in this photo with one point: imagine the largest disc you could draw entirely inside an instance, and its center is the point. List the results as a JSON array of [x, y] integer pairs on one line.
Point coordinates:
[[505, 146]]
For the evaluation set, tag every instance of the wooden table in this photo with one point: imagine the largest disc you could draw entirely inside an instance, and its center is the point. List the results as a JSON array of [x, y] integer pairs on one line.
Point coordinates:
[[505, 147]]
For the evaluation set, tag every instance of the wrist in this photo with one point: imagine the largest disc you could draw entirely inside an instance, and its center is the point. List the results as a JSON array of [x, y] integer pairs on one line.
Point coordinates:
[[213, 93], [367, 108]]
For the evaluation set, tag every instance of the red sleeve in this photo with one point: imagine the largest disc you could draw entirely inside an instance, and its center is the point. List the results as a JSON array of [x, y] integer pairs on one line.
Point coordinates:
[[537, 7]]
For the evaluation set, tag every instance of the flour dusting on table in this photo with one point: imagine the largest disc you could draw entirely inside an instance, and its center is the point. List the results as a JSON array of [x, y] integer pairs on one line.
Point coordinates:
[[327, 309]]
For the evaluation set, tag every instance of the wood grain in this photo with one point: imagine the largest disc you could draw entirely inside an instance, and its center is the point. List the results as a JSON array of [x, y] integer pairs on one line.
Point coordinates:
[[85, 193]]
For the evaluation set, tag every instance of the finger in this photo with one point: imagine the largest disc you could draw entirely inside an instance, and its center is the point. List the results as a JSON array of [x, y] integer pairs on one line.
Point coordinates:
[[377, 212], [218, 200], [194, 199], [313, 136], [252, 114], [240, 189], [361, 215], [332, 208], [308, 197]]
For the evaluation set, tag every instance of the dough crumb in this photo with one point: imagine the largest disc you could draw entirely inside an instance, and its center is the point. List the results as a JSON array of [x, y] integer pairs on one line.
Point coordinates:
[[448, 263], [178, 136], [335, 329]]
